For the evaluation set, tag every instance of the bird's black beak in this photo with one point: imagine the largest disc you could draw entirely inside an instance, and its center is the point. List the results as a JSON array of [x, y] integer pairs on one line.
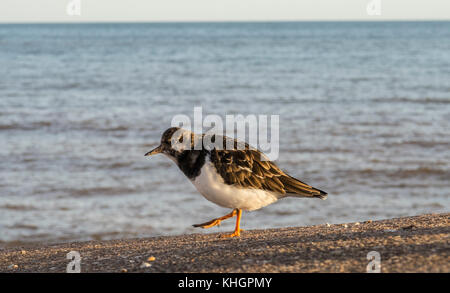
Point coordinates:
[[154, 151]]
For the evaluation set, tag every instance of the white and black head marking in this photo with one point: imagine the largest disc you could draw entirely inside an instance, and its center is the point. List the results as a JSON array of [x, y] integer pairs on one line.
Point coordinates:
[[178, 145]]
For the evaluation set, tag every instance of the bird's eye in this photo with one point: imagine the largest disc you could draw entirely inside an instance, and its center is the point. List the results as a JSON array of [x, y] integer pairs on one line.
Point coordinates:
[[180, 140]]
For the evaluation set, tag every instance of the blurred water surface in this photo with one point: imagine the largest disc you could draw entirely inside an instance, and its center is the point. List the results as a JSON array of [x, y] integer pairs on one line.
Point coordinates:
[[364, 114]]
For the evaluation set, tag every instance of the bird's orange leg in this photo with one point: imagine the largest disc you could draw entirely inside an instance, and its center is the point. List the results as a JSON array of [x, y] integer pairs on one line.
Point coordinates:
[[237, 229], [215, 222]]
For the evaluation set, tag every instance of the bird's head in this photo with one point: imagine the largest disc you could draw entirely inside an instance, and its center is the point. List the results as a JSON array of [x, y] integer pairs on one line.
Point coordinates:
[[174, 141]]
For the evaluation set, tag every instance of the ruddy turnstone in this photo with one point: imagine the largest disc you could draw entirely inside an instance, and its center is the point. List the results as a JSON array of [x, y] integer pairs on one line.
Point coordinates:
[[240, 178]]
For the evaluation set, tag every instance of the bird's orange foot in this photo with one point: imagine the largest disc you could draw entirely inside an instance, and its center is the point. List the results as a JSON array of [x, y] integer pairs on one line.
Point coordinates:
[[208, 224], [216, 221], [234, 234]]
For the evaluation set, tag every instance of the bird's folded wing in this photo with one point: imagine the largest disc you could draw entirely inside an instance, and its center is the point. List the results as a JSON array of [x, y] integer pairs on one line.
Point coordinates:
[[250, 168], [244, 168]]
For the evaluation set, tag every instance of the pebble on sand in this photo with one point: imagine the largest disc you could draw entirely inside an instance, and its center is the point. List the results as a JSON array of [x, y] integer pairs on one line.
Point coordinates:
[[145, 265]]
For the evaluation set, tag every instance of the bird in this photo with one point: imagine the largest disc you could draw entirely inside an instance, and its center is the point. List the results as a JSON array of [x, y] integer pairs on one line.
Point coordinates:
[[238, 176]]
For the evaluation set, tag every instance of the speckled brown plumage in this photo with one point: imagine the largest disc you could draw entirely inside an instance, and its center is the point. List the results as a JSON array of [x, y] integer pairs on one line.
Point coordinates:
[[250, 168]]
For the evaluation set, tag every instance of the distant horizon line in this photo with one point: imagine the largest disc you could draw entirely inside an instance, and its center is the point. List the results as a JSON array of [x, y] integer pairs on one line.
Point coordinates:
[[218, 21]]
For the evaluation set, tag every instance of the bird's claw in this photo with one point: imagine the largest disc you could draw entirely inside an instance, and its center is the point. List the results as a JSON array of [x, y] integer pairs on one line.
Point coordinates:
[[234, 234]]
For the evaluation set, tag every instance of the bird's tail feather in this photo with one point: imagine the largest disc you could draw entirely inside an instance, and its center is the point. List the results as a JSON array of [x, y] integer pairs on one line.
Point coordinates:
[[295, 187]]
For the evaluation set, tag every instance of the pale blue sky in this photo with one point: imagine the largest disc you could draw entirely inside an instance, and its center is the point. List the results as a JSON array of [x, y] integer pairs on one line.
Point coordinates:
[[220, 10]]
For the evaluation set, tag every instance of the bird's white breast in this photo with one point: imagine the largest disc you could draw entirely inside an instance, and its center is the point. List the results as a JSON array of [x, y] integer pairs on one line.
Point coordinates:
[[212, 186]]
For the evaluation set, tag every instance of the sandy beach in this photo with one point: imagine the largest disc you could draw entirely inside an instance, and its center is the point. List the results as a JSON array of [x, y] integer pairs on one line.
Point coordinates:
[[410, 244]]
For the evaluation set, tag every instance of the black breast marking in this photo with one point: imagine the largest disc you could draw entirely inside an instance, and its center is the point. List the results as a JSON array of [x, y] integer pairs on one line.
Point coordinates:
[[191, 162]]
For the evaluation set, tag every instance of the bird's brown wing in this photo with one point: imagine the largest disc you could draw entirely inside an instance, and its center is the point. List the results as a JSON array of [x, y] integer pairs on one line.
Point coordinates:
[[249, 168]]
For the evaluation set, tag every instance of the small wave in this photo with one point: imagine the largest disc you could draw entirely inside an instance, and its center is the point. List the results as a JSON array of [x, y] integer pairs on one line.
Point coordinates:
[[397, 174], [370, 124], [359, 79], [411, 100], [318, 150], [116, 165], [68, 86], [98, 191], [420, 143], [403, 185], [23, 226], [117, 128], [84, 125], [26, 126], [18, 207], [422, 171], [98, 126], [284, 213]]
